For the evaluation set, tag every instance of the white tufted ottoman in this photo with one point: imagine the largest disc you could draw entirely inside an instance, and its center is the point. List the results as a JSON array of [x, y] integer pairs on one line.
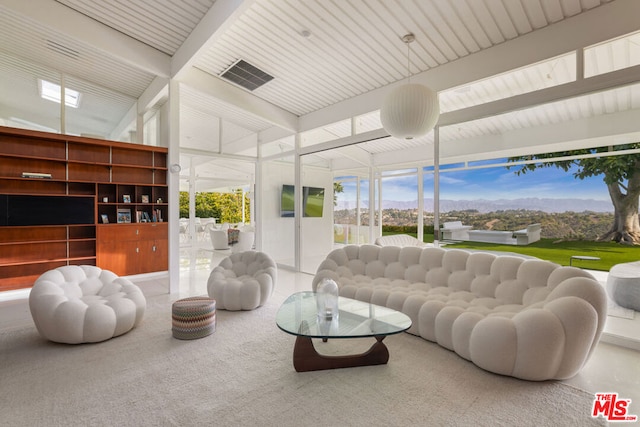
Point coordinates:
[[242, 281], [77, 304]]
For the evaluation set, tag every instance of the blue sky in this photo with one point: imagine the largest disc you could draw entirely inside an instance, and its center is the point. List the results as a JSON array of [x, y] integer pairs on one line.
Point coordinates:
[[491, 184]]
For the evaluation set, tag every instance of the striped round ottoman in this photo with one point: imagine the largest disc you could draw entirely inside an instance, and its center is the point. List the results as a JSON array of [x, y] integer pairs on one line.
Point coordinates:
[[193, 317]]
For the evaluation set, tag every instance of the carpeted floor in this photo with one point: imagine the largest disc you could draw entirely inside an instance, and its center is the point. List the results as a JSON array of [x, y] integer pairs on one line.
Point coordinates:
[[242, 375]]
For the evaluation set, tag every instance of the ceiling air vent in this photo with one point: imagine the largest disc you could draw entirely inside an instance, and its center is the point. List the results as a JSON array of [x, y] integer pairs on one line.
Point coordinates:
[[62, 49], [246, 75]]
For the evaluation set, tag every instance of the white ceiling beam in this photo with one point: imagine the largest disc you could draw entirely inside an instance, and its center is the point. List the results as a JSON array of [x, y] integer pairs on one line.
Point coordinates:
[[274, 133], [226, 92], [158, 89], [357, 154], [240, 144], [568, 35], [153, 94], [608, 129], [346, 141], [212, 25], [196, 152], [593, 84], [126, 123], [101, 37]]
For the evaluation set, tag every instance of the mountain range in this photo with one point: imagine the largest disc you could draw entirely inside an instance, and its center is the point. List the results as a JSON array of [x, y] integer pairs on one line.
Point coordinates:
[[484, 206]]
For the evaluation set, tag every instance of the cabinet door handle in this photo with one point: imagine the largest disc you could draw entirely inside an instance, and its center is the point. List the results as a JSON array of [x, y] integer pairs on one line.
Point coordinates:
[[154, 248], [137, 250]]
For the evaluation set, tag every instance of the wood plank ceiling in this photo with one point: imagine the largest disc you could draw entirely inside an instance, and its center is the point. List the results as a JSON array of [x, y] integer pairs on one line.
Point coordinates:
[[322, 53], [354, 46]]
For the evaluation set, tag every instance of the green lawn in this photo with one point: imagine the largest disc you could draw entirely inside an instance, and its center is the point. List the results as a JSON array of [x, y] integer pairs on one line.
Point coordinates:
[[610, 253]]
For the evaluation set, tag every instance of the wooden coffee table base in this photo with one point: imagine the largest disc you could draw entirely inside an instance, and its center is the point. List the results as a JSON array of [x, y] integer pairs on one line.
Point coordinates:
[[306, 358]]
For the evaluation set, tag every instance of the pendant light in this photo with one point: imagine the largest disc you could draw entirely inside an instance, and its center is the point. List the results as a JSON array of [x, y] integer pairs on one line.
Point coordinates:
[[411, 110]]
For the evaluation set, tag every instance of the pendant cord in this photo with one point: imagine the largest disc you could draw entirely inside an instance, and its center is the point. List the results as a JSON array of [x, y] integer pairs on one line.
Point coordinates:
[[408, 39], [408, 63]]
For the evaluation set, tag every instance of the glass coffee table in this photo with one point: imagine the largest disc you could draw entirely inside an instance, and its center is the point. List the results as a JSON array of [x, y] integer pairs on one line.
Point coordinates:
[[357, 319]]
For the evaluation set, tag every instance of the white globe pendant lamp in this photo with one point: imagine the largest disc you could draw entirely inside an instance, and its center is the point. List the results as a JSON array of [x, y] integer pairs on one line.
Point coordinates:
[[411, 110]]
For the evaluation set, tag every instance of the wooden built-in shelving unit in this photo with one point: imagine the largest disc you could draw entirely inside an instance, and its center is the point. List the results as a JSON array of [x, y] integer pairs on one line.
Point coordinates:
[[58, 220]]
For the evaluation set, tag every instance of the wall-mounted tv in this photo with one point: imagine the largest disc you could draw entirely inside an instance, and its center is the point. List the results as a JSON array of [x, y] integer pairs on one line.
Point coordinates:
[[312, 201], [287, 201], [18, 210]]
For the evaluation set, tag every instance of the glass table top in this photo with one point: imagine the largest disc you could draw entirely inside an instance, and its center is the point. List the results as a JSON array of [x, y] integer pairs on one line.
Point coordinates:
[[298, 315]]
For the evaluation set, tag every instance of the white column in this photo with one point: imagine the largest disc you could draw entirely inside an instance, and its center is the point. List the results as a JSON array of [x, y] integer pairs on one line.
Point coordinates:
[[297, 206], [174, 186], [192, 235], [257, 220], [63, 106], [139, 128], [357, 210], [436, 185], [372, 204], [379, 205], [420, 178]]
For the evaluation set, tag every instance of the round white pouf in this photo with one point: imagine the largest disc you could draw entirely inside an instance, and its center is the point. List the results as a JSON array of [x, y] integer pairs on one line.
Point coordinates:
[[242, 281], [623, 285], [78, 304]]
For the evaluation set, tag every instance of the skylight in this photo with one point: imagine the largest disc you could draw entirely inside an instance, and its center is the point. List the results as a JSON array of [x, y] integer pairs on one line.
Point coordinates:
[[51, 92]]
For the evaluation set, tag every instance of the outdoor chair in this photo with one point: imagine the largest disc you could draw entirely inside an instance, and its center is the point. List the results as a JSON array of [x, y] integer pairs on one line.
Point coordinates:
[[219, 239]]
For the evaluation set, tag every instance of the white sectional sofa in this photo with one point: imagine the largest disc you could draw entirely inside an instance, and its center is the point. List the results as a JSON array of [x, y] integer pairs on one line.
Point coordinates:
[[454, 230], [492, 236], [528, 235], [525, 318], [400, 240]]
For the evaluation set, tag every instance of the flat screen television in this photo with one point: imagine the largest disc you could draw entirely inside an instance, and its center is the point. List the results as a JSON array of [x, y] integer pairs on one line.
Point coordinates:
[[312, 201], [287, 201], [18, 210]]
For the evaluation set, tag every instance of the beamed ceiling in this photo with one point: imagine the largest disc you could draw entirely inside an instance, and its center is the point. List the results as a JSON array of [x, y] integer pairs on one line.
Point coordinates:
[[331, 60]]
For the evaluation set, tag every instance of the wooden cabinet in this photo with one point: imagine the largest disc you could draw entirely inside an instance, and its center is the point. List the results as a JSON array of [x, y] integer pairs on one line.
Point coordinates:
[[128, 249], [59, 201]]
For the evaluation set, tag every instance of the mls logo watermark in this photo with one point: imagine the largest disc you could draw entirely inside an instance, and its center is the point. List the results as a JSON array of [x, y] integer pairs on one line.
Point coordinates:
[[612, 408]]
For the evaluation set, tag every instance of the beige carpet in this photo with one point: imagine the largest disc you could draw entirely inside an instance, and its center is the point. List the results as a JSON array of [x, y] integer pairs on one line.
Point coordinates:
[[243, 376]]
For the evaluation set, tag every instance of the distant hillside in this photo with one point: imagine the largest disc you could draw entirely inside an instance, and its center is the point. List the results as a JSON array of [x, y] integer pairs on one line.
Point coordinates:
[[585, 225], [485, 206]]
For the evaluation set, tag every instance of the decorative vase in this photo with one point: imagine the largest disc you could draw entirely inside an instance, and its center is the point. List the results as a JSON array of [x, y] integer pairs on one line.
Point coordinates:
[[327, 300]]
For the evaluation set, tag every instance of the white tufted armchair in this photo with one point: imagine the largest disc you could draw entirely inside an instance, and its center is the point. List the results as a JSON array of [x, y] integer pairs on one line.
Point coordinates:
[[242, 281], [78, 304]]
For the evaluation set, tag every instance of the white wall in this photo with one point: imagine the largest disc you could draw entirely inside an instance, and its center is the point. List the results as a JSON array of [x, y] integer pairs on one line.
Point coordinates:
[[317, 233], [278, 233]]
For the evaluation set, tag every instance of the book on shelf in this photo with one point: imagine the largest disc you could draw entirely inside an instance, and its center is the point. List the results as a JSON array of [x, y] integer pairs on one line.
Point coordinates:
[[142, 216], [158, 215]]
